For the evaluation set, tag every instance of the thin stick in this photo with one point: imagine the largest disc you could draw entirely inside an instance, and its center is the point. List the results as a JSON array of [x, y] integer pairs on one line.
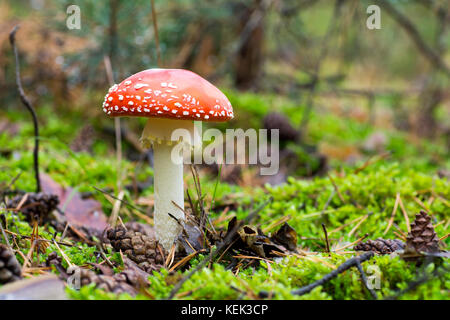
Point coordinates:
[[333, 274], [327, 242], [123, 201], [336, 188], [364, 280], [27, 104], [155, 27], [117, 126]]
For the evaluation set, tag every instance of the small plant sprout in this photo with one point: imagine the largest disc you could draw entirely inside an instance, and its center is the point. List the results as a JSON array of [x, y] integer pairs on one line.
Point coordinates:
[[171, 99]]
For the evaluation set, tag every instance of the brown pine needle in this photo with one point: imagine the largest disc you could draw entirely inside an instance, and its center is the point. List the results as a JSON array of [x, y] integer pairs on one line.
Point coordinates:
[[276, 223], [241, 256], [372, 160], [405, 215], [353, 243], [420, 203], [399, 235], [65, 257], [444, 237], [22, 201], [345, 225], [116, 209], [336, 188], [356, 227], [404, 235], [171, 256], [444, 201], [391, 220], [186, 259]]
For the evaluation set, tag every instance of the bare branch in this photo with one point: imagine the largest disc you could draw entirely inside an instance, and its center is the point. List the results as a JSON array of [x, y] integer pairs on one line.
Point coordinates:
[[434, 58], [26, 102]]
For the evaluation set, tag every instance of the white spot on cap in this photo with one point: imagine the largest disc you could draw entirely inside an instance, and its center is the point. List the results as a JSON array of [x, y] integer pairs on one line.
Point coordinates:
[[175, 111], [113, 88], [163, 84], [206, 116], [140, 85], [110, 98], [130, 103], [120, 97], [171, 85], [186, 113], [177, 104], [127, 82]]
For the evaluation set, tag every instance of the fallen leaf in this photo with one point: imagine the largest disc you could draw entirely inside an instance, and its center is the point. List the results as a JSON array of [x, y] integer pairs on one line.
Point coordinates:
[[45, 287], [286, 236], [79, 212]]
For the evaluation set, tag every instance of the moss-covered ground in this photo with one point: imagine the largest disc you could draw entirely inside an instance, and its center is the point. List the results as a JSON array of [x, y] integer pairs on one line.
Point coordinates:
[[353, 199]]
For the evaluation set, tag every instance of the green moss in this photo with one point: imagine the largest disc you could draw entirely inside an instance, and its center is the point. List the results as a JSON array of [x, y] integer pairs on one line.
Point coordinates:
[[409, 172]]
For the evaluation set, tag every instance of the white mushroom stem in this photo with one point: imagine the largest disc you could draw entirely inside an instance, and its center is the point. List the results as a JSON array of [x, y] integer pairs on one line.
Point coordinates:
[[168, 182], [168, 176]]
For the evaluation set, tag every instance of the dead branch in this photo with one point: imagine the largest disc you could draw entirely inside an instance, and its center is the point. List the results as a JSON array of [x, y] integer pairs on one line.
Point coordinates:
[[155, 27], [26, 102], [333, 274]]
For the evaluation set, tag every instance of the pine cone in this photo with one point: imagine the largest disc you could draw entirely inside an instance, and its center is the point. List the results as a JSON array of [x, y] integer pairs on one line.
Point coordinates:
[[141, 249], [422, 237], [10, 269], [37, 206], [116, 284], [140, 227], [380, 246]]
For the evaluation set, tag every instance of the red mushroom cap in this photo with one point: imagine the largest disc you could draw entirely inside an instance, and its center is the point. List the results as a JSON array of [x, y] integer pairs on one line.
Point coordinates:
[[168, 93]]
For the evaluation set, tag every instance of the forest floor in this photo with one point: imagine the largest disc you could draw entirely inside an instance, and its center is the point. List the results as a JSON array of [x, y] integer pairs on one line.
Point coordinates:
[[373, 183]]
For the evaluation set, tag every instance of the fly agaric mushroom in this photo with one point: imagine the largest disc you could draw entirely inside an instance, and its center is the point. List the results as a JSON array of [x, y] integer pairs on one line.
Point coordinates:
[[170, 99]]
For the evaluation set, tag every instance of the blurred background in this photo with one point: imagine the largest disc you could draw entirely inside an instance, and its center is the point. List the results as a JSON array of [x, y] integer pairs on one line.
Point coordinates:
[[341, 93]]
